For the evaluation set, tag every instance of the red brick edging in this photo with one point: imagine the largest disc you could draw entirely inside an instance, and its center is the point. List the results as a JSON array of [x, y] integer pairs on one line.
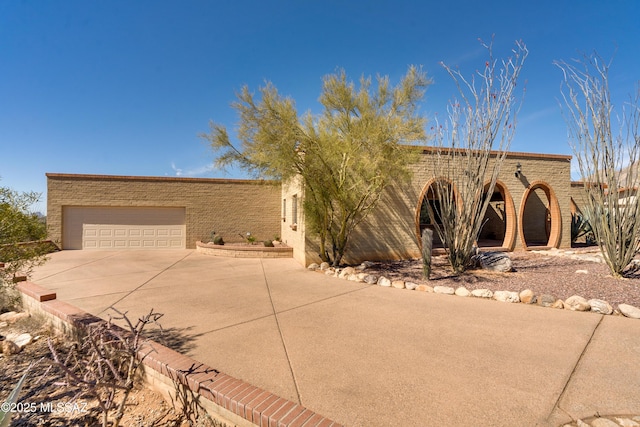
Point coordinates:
[[253, 404]]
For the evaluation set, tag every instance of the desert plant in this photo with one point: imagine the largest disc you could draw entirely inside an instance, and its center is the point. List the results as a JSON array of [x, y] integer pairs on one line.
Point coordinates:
[[248, 237], [268, 243], [427, 247], [217, 240], [188, 402], [20, 252], [608, 155], [105, 363], [579, 226], [5, 409], [343, 158], [470, 150]]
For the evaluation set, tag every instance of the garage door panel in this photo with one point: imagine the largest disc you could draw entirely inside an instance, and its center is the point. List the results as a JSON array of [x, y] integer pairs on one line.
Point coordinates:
[[105, 244], [123, 228]]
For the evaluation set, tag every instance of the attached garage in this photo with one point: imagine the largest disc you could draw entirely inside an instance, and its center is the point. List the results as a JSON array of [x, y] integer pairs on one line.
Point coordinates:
[[93, 227]]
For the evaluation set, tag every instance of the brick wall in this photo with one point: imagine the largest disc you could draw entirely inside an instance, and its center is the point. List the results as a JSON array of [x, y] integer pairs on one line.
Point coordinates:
[[578, 194], [228, 207], [391, 230], [231, 207]]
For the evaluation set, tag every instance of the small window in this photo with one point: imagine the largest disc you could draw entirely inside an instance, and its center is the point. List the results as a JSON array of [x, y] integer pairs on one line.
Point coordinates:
[[294, 209], [284, 210]]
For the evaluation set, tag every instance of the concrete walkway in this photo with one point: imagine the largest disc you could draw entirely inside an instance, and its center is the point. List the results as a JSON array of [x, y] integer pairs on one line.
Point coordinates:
[[365, 355]]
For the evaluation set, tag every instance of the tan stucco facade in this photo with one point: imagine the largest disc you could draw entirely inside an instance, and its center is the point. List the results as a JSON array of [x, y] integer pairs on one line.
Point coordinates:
[[228, 207]]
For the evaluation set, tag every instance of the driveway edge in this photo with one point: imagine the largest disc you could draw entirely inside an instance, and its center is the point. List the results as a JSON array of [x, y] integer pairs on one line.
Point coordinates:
[[225, 398]]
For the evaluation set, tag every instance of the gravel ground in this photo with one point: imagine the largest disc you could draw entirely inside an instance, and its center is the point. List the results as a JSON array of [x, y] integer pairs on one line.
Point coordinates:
[[542, 274], [43, 401]]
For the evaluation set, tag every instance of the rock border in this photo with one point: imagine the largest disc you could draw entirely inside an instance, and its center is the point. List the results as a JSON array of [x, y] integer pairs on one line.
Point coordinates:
[[573, 303]]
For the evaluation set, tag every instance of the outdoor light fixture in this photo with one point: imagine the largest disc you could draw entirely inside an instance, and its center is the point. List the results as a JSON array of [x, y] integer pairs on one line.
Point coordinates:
[[518, 170]]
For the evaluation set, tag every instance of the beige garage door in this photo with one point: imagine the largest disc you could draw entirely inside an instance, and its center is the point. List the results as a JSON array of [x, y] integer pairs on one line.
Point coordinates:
[[123, 228]]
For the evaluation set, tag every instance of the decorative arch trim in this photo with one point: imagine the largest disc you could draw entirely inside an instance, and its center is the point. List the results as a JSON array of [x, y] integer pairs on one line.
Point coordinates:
[[511, 220], [554, 210], [423, 193]]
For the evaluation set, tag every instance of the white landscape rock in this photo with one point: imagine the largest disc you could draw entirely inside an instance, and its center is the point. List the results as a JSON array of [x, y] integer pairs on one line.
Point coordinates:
[[365, 265], [346, 272], [424, 288], [446, 290], [462, 292], [370, 279], [506, 296], [313, 266], [398, 284], [546, 300], [629, 311], [600, 306], [410, 285], [13, 317], [527, 297], [494, 261], [577, 303], [22, 340], [324, 266], [383, 281], [7, 315], [482, 293]]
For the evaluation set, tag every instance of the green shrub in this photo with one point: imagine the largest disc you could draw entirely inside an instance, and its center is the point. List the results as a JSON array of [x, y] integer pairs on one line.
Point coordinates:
[[580, 227], [268, 244], [217, 240]]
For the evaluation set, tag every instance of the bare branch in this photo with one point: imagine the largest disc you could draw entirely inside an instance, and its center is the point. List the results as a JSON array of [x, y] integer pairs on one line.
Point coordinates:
[[608, 155], [471, 148]]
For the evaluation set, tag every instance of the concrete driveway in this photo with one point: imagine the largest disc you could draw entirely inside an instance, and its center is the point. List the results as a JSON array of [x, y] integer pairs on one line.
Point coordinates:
[[365, 355]]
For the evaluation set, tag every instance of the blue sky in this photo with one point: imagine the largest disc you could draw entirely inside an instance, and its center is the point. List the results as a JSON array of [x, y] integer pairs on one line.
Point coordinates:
[[125, 87]]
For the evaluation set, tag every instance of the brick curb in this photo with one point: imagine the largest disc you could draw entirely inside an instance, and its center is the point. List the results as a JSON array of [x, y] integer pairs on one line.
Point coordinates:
[[247, 404]]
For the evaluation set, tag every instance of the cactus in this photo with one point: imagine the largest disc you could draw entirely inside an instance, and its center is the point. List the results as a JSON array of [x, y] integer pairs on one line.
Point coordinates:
[[427, 246]]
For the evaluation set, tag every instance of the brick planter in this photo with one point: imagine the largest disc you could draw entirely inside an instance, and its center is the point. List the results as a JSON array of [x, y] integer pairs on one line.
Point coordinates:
[[230, 250]]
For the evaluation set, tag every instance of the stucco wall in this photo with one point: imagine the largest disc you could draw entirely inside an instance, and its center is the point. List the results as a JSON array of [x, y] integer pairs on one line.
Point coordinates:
[[229, 207], [293, 231]]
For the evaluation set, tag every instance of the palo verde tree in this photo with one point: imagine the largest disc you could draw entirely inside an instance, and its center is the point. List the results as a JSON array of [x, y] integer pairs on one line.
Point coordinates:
[[346, 156], [470, 150], [607, 155]]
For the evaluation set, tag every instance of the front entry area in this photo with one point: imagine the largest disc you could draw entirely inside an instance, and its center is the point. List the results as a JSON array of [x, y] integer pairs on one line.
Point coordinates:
[[97, 227]]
